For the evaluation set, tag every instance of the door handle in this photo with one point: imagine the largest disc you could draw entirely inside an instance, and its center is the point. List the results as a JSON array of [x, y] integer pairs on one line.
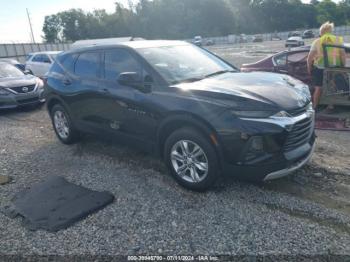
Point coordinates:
[[104, 90], [66, 82]]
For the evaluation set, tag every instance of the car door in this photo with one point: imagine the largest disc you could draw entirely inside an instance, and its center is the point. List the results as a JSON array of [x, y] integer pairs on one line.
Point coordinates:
[[129, 108], [280, 63], [84, 91], [297, 66], [45, 64], [34, 64]]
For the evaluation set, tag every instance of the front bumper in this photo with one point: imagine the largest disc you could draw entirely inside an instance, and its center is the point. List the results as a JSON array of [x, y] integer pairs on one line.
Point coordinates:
[[292, 168], [14, 100], [270, 164]]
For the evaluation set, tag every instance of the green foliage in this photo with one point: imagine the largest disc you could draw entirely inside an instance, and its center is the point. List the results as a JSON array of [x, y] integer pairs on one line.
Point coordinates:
[[179, 19]]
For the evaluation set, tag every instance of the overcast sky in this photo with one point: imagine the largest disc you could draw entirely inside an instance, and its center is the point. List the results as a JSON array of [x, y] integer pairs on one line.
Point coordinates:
[[14, 23]]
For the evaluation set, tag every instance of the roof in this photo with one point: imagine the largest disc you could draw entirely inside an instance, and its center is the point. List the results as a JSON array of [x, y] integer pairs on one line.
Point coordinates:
[[134, 44], [103, 41], [9, 60], [46, 52]]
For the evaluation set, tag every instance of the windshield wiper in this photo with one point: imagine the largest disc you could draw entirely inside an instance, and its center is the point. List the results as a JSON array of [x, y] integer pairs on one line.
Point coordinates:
[[218, 73]]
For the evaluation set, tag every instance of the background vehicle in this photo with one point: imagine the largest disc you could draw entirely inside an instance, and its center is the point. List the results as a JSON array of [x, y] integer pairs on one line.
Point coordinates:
[[242, 38], [196, 110], [308, 34], [14, 62], [291, 62], [197, 40], [294, 41], [18, 89], [258, 39], [295, 33], [210, 42], [39, 63]]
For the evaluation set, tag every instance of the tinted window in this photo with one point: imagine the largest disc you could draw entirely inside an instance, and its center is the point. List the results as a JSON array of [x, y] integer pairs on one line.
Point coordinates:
[[68, 62], [296, 57], [118, 61], [45, 59], [37, 58], [281, 60], [87, 64]]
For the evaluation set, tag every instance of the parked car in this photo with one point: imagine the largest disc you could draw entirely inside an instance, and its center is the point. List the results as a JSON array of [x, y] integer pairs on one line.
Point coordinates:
[[308, 34], [291, 62], [14, 62], [18, 89], [39, 63], [198, 112], [294, 41], [210, 42], [242, 39], [197, 40], [295, 33], [258, 39]]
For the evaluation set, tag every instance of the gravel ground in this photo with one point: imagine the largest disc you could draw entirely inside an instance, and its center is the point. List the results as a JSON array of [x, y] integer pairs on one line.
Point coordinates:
[[307, 213]]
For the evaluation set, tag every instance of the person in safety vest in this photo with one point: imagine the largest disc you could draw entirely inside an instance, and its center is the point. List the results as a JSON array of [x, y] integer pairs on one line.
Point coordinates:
[[315, 60]]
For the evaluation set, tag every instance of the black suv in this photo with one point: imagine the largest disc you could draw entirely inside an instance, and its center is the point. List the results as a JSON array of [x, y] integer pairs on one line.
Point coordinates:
[[198, 112]]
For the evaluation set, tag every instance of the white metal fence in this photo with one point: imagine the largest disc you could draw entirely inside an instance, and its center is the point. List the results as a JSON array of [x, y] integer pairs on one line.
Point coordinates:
[[19, 51]]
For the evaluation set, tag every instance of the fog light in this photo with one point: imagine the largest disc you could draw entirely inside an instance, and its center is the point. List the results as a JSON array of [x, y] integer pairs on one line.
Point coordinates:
[[244, 136], [257, 143]]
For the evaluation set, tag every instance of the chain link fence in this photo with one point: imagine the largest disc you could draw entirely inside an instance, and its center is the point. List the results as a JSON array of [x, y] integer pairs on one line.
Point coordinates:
[[20, 51]]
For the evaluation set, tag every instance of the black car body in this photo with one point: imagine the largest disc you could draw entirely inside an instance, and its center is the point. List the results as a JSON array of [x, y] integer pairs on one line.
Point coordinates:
[[18, 89], [251, 125]]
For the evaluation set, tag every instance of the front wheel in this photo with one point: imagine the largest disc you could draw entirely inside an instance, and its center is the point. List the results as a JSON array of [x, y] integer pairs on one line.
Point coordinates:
[[191, 159], [63, 125]]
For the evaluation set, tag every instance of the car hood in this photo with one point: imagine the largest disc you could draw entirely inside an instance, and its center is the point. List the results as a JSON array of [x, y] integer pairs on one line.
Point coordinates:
[[255, 90], [25, 80]]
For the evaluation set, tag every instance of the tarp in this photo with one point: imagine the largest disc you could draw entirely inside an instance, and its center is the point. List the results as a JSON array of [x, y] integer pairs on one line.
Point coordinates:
[[56, 204]]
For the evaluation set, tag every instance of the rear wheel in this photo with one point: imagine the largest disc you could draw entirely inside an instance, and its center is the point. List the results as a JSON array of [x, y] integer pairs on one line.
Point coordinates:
[[62, 125], [191, 159]]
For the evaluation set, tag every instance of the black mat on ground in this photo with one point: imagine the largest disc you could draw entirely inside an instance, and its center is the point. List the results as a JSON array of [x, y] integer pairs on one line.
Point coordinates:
[[56, 204]]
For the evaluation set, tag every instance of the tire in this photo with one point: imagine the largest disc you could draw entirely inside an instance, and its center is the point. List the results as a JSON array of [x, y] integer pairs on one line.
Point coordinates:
[[63, 126], [198, 165]]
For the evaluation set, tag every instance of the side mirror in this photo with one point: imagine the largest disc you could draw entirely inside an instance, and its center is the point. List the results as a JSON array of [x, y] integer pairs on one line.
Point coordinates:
[[134, 80], [27, 72]]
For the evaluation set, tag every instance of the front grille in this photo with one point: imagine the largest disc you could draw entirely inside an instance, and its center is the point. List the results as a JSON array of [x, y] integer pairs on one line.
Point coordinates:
[[28, 100], [23, 89], [297, 111], [299, 135]]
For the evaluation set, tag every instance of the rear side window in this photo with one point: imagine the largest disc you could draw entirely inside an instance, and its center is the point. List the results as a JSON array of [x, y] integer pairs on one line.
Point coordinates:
[[37, 58], [68, 62], [118, 61], [28, 57], [87, 64]]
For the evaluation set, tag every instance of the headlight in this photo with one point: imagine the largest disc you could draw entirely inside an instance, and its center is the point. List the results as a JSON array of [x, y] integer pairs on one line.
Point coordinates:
[[4, 92], [40, 83], [252, 114]]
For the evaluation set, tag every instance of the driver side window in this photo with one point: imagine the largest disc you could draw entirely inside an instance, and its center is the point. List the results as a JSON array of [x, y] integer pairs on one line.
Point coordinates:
[[118, 61], [281, 60]]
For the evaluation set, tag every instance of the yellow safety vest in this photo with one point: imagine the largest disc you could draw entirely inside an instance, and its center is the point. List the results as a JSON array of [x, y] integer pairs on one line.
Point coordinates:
[[334, 56]]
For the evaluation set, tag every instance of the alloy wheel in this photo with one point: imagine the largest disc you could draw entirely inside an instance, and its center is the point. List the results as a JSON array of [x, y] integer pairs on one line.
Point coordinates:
[[61, 124], [189, 161]]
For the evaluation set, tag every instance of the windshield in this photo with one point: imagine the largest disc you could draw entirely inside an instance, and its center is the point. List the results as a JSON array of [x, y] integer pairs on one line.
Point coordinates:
[[183, 62], [7, 70]]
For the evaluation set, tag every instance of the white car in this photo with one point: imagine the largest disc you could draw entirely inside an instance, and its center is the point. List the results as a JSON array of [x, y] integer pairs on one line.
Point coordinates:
[[294, 41], [39, 63]]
